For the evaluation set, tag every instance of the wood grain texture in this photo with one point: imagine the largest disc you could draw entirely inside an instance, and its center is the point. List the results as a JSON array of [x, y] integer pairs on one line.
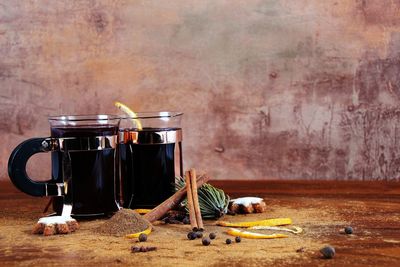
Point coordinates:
[[321, 208], [303, 89]]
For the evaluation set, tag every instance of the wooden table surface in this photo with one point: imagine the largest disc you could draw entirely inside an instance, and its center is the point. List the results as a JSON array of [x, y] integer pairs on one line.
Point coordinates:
[[322, 208]]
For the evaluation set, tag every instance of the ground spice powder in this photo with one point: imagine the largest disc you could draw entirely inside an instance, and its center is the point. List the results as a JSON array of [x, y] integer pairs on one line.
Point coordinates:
[[122, 223]]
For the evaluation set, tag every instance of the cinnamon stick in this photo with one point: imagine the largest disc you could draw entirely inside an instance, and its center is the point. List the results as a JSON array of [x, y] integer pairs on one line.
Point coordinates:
[[159, 211], [192, 212], [193, 184]]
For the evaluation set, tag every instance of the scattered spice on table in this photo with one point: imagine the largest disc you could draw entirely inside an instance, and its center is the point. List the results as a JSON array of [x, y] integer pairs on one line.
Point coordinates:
[[176, 217], [135, 249], [300, 250]]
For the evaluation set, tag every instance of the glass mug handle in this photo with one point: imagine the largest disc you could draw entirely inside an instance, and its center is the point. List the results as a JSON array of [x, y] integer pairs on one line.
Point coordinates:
[[17, 168]]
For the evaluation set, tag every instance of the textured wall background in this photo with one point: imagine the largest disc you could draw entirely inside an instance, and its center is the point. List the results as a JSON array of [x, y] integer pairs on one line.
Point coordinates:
[[270, 89]]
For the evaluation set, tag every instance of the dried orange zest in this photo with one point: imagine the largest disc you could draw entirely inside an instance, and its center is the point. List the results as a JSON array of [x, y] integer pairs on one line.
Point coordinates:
[[247, 234], [136, 235], [293, 229], [142, 211], [269, 222]]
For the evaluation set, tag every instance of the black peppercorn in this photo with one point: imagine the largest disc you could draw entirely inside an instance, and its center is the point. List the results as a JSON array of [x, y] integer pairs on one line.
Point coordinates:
[[142, 238], [228, 241], [348, 230], [186, 220], [238, 239], [206, 241], [199, 234], [328, 252], [212, 235], [191, 235]]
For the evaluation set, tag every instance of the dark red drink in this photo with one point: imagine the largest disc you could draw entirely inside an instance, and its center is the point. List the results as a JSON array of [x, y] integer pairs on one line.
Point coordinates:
[[149, 163], [93, 187]]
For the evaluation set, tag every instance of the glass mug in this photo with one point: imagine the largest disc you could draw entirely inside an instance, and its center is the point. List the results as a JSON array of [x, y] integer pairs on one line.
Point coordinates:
[[150, 150], [83, 156]]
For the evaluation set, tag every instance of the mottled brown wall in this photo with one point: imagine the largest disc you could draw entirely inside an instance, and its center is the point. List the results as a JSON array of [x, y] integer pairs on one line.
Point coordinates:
[[285, 89]]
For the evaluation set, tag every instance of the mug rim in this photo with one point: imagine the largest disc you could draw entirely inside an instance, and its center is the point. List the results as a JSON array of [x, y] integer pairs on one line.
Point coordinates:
[[88, 117], [153, 115]]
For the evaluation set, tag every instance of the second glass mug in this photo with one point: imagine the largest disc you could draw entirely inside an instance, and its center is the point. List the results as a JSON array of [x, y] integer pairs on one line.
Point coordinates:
[[150, 155]]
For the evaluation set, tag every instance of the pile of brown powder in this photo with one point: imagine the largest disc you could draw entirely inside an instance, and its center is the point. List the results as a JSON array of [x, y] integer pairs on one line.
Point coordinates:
[[123, 222]]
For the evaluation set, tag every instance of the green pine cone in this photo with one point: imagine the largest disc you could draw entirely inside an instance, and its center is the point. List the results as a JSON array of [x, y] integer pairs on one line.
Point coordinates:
[[213, 202]]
